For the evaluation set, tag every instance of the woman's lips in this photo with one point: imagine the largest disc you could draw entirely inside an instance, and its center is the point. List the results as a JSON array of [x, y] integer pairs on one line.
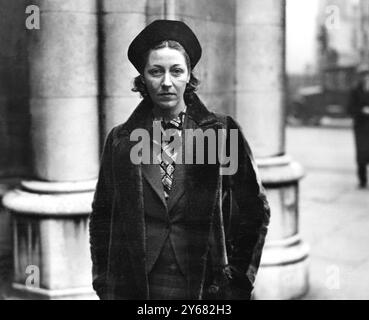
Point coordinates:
[[168, 96]]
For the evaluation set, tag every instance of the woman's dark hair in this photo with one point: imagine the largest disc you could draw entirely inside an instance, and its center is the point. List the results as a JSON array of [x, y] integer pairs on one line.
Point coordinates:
[[191, 87]]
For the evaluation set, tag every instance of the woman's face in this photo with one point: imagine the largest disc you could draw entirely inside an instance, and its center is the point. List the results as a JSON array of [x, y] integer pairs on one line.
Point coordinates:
[[166, 75]]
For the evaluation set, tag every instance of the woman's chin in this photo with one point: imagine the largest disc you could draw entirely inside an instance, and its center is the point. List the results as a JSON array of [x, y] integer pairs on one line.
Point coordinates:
[[167, 105]]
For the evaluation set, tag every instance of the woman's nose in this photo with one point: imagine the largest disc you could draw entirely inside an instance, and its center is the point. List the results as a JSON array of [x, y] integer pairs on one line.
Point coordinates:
[[167, 81]]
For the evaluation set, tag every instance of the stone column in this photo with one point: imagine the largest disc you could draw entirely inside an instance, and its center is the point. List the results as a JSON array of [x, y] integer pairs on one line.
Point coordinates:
[[50, 213], [6, 257], [14, 120], [121, 21], [213, 23], [260, 109]]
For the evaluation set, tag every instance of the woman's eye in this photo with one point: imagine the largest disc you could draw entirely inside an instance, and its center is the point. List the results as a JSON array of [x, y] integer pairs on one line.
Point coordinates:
[[155, 72], [177, 72]]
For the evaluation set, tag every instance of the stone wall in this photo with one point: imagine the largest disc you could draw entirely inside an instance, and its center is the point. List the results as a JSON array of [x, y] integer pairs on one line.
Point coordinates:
[[14, 91], [15, 160], [62, 88], [213, 21]]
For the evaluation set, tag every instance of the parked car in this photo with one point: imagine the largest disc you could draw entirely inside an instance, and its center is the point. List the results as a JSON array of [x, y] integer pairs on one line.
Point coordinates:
[[329, 99]]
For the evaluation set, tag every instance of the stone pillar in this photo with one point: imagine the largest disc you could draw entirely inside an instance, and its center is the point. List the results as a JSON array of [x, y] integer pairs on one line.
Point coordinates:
[[6, 258], [121, 21], [14, 91], [260, 109], [50, 213], [213, 23], [14, 120]]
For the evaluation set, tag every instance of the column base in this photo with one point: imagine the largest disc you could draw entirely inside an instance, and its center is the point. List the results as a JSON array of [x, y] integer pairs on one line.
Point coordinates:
[[22, 292], [6, 247], [283, 272], [51, 240]]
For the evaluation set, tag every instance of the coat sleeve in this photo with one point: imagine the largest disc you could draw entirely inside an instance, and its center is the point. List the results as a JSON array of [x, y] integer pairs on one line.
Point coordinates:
[[100, 220], [250, 213]]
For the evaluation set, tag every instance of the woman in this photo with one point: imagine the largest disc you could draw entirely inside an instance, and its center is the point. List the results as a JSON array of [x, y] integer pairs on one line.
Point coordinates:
[[359, 110], [156, 229]]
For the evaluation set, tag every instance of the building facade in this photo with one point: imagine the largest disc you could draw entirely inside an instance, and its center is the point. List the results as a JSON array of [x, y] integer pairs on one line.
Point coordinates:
[[65, 84]]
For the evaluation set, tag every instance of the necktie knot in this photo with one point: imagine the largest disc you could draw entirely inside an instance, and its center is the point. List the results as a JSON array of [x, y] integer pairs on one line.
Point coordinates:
[[176, 123]]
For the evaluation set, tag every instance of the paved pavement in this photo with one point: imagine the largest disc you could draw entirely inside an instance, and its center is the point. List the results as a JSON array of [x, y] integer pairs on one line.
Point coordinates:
[[334, 213]]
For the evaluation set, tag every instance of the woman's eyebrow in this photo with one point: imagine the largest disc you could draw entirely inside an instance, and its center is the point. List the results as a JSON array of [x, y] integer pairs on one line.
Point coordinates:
[[160, 66]]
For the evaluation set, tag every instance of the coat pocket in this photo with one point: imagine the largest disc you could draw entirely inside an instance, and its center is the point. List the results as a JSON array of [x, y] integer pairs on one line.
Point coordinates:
[[229, 284]]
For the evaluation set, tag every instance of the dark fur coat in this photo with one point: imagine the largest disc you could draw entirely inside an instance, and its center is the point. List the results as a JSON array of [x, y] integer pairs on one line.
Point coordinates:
[[117, 224]]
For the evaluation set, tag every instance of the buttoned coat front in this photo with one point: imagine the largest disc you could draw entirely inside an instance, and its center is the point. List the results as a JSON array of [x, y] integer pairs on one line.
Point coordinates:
[[117, 224]]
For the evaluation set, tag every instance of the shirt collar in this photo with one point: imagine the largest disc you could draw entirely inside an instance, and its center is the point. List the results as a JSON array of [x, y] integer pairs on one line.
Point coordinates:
[[180, 116]]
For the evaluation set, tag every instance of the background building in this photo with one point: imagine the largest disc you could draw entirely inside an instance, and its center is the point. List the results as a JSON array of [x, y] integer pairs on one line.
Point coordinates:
[[321, 89], [64, 85]]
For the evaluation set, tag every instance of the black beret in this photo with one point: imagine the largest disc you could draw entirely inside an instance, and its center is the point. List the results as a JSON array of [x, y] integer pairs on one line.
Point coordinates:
[[161, 30]]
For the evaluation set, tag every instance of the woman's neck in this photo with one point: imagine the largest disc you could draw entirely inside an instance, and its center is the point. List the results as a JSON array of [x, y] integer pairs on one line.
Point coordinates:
[[170, 113]]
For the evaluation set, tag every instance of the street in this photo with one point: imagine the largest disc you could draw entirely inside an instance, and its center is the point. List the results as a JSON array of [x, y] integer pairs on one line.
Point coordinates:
[[334, 213]]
